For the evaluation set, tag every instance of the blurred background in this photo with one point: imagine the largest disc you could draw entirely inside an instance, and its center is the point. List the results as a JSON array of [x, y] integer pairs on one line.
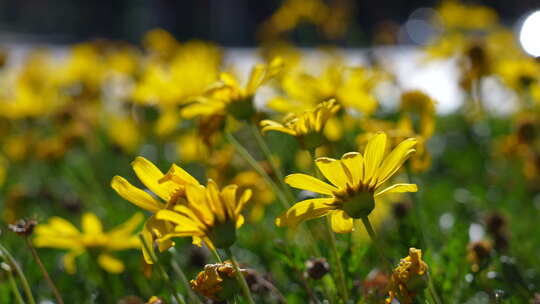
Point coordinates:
[[229, 23]]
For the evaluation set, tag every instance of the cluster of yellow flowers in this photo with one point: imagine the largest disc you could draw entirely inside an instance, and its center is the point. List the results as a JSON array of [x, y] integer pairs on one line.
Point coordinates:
[[186, 95]]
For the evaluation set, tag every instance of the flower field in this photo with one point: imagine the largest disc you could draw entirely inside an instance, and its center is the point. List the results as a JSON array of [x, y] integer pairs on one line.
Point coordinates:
[[181, 172]]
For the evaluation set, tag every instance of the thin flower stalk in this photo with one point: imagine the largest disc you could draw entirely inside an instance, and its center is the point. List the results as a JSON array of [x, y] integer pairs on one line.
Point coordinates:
[[180, 273], [163, 273], [241, 280], [50, 282], [13, 263], [375, 240], [281, 197], [12, 283]]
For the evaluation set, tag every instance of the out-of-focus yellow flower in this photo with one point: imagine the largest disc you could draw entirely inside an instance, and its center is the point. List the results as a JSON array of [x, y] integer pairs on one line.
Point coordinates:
[[519, 74], [446, 46], [52, 147], [331, 18], [84, 70], [61, 234], [421, 109], [307, 126], [161, 43], [4, 165], [209, 215], [31, 91], [216, 281], [458, 16], [171, 188], [262, 193], [124, 132], [349, 86], [228, 97], [194, 66], [190, 147], [409, 278], [17, 147], [355, 180]]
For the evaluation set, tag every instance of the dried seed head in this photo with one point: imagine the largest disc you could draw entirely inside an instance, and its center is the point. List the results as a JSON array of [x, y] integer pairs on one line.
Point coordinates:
[[316, 268], [23, 227]]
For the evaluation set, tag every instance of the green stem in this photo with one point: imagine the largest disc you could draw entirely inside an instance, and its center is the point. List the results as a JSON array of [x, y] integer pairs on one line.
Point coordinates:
[[268, 154], [432, 291], [418, 214], [161, 271], [13, 284], [216, 255], [20, 274], [257, 167], [375, 240], [240, 277], [180, 273], [50, 282], [335, 253], [279, 193]]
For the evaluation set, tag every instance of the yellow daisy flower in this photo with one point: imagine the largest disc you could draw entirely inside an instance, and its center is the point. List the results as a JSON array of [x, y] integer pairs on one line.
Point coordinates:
[[61, 234], [209, 215], [229, 97], [356, 180], [307, 126], [170, 188]]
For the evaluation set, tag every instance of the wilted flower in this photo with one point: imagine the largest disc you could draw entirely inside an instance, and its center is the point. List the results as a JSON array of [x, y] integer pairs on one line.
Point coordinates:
[[61, 234], [217, 281], [355, 180], [478, 254], [409, 278]]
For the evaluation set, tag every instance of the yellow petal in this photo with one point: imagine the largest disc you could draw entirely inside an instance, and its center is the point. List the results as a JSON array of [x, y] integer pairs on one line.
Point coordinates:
[[127, 228], [150, 176], [395, 160], [355, 164], [341, 222], [202, 109], [61, 225], [305, 210], [239, 221], [179, 176], [149, 240], [229, 198], [256, 78], [198, 202], [110, 263], [177, 218], [333, 171], [373, 156], [270, 125], [214, 200], [244, 198], [310, 183], [91, 224], [135, 195], [398, 188], [69, 261]]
